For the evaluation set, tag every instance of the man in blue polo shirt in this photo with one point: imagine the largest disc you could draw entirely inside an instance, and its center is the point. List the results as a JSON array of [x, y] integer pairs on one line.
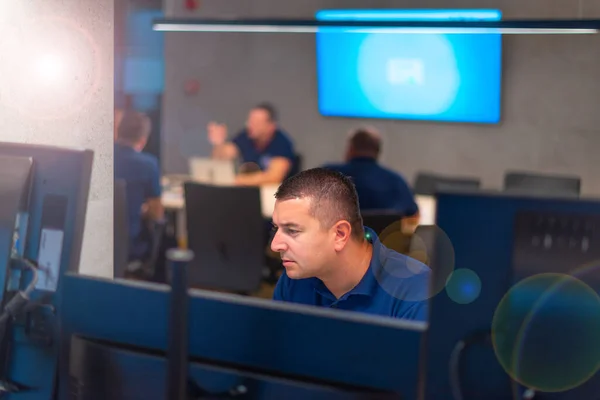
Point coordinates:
[[141, 174], [267, 153], [331, 260], [378, 188]]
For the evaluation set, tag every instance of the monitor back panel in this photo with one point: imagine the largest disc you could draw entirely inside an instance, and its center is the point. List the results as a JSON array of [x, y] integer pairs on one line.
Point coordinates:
[[290, 341], [500, 238]]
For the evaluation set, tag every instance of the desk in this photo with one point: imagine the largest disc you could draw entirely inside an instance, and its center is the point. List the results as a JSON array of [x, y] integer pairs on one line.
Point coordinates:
[[173, 199]]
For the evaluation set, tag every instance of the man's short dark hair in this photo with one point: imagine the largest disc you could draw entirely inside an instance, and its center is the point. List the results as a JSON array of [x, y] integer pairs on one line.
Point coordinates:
[[269, 109], [365, 142], [333, 197], [133, 127]]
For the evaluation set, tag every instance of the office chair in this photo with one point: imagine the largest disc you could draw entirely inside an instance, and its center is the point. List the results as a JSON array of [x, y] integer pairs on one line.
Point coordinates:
[[387, 224], [120, 229], [226, 231], [297, 164], [542, 184], [145, 268], [379, 220], [157, 232], [427, 184], [431, 246]]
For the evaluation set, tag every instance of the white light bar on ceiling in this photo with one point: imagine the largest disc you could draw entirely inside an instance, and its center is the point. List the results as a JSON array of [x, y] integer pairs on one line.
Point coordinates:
[[521, 27], [307, 29]]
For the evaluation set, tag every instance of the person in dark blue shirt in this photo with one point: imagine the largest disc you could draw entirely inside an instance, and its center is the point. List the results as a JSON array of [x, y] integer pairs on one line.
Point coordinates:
[[266, 151], [378, 188], [331, 260], [141, 174]]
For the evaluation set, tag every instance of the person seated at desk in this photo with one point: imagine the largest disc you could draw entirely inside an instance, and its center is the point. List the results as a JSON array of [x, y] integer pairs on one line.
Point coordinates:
[[378, 188], [141, 174], [266, 151], [332, 261]]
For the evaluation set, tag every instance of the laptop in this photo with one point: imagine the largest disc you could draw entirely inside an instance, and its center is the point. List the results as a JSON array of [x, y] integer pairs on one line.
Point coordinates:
[[210, 171]]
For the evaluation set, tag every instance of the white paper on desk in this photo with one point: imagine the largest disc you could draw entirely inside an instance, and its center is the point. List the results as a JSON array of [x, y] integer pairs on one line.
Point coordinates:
[[267, 199], [51, 246], [427, 209]]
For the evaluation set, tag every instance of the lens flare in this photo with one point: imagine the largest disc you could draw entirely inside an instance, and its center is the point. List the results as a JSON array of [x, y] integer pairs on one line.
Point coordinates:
[[54, 69], [428, 245], [463, 286], [545, 332], [50, 68]]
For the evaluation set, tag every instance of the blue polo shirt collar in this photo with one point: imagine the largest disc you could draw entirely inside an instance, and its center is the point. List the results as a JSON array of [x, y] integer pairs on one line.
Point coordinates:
[[368, 284]]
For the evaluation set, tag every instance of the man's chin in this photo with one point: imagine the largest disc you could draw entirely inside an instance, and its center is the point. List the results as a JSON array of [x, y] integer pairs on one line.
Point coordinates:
[[294, 274]]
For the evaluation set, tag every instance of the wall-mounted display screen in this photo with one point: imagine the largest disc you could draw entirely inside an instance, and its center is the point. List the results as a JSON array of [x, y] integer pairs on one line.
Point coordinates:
[[397, 73]]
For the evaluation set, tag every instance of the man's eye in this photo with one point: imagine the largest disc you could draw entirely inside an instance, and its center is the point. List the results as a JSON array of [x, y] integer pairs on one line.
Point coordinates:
[[292, 231]]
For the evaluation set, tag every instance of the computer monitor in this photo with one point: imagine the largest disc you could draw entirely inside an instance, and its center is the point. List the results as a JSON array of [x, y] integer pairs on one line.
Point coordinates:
[[216, 172], [226, 230], [498, 240], [273, 349], [44, 193]]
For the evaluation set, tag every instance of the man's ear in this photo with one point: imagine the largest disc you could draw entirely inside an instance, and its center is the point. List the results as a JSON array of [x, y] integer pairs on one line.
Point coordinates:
[[343, 231]]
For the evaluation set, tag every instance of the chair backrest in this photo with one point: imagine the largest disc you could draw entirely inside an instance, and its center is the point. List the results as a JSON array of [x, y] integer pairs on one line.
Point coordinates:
[[226, 232], [387, 224], [432, 247], [542, 184], [379, 220], [297, 165], [429, 184], [120, 229]]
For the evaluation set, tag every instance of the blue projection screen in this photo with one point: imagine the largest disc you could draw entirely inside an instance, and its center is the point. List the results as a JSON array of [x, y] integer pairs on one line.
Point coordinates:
[[372, 73]]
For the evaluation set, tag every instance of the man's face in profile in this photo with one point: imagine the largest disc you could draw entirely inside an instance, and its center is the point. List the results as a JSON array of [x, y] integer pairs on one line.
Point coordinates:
[[306, 248]]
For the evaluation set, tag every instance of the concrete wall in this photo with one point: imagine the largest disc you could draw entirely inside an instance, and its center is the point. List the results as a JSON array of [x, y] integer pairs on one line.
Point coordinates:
[[69, 101], [551, 94]]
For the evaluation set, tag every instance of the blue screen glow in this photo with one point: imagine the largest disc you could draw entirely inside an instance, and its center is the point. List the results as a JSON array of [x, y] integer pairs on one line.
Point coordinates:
[[420, 76]]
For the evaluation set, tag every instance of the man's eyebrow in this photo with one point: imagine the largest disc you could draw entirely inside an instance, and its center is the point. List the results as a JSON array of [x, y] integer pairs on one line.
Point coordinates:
[[287, 225]]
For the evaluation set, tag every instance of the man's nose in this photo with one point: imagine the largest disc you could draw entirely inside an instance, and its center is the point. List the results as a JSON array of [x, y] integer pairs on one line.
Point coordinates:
[[277, 244]]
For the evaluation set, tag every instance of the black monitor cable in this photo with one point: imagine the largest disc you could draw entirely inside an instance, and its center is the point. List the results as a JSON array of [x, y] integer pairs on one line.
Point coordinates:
[[456, 357], [21, 298], [16, 306], [481, 337]]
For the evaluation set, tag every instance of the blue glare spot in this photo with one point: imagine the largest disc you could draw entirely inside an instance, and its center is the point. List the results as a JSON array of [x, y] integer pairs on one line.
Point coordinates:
[[463, 286]]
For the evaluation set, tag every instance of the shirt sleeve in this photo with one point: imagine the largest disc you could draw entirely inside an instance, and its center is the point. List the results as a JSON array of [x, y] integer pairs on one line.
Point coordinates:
[[239, 138], [284, 148]]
